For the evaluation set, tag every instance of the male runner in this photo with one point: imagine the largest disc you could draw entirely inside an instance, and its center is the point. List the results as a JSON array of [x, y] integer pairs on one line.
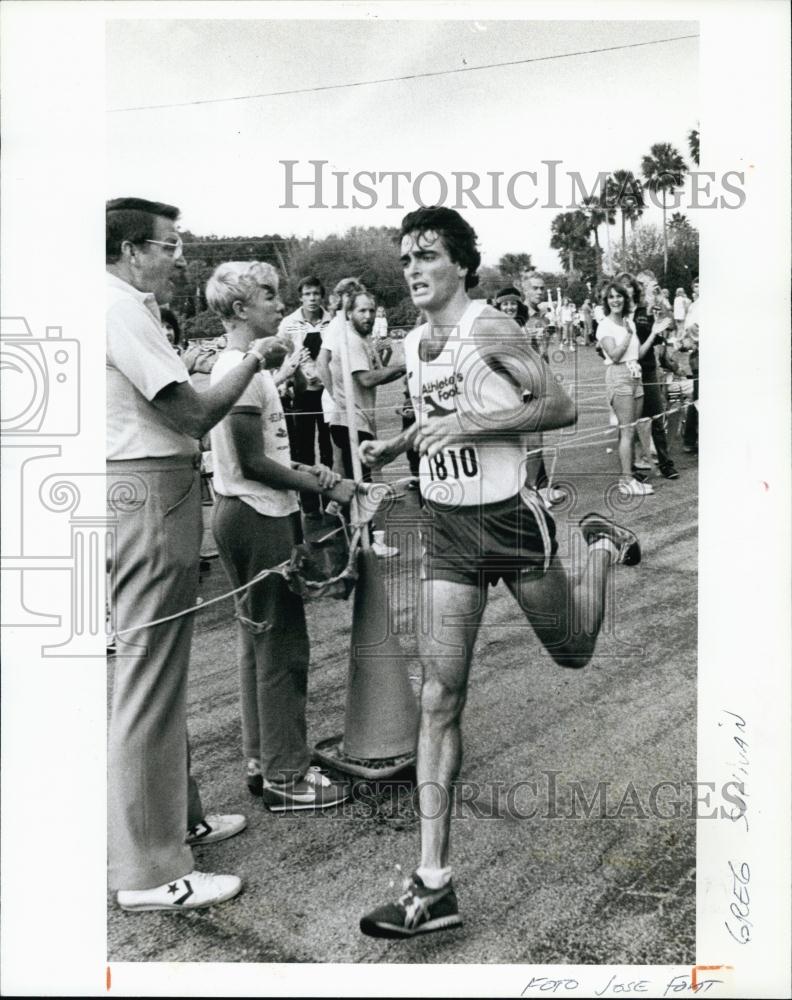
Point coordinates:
[[478, 389]]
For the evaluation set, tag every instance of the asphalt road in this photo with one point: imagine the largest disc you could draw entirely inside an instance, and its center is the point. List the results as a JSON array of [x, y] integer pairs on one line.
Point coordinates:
[[538, 880]]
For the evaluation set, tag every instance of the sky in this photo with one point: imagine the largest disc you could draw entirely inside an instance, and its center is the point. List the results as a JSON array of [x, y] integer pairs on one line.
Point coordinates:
[[219, 162]]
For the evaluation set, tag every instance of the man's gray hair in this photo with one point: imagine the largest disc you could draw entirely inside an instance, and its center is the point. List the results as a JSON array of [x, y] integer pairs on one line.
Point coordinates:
[[237, 281]]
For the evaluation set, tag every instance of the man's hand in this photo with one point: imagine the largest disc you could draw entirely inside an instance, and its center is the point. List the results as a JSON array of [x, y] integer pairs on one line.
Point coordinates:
[[438, 433], [327, 478], [272, 349]]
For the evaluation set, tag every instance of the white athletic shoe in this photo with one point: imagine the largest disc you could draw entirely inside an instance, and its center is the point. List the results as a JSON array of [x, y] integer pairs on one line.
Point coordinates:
[[191, 892], [632, 488], [214, 828], [380, 549]]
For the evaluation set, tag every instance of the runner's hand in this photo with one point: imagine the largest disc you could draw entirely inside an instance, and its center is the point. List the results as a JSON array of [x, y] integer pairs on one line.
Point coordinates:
[[438, 433], [373, 453]]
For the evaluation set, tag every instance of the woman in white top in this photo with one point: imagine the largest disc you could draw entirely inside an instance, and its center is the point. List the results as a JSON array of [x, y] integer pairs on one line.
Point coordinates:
[[619, 341]]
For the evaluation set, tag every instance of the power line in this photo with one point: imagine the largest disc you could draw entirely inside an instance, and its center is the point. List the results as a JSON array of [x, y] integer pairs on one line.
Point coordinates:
[[396, 79]]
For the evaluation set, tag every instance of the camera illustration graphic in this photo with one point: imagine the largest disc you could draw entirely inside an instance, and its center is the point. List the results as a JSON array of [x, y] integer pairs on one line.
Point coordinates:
[[41, 381]]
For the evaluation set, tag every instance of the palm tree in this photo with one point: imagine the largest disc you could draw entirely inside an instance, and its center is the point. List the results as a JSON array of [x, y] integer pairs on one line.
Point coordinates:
[[664, 170], [569, 236], [627, 196], [693, 145], [597, 211], [678, 221]]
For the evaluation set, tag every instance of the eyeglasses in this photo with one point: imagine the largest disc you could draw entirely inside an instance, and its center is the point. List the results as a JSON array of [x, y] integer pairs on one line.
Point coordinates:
[[176, 247]]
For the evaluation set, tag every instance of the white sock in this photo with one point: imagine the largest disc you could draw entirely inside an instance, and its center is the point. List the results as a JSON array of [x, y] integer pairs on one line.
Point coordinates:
[[606, 545], [434, 878]]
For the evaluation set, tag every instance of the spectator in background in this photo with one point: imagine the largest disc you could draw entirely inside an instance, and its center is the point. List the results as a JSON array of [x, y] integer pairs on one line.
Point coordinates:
[[586, 315], [256, 525], [170, 324], [652, 341], [681, 305], [531, 319], [382, 344], [619, 342], [303, 330], [340, 298], [690, 342], [566, 317], [366, 374]]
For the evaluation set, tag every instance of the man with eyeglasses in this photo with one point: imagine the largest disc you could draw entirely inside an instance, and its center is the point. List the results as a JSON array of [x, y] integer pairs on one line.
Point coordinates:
[[154, 421]]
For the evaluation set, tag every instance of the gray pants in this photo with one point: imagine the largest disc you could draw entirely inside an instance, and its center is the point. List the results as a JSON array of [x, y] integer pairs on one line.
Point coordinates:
[[150, 800], [273, 640]]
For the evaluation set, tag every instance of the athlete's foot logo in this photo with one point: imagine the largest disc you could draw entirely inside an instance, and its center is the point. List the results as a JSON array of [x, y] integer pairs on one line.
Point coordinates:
[[435, 410]]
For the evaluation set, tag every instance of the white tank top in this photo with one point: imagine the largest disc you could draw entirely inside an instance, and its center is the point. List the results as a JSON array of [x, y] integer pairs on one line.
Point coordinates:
[[479, 471]]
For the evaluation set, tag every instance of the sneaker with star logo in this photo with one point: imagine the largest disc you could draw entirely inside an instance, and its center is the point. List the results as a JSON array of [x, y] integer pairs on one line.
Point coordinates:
[[191, 892]]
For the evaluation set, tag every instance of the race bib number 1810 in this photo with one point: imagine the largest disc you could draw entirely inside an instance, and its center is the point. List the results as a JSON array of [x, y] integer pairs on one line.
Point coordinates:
[[454, 463]]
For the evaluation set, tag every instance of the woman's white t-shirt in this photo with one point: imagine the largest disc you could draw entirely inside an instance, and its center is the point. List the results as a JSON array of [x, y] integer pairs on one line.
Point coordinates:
[[607, 328]]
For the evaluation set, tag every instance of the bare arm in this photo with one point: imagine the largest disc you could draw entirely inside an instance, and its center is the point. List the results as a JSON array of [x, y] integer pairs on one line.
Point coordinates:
[[615, 351], [379, 376], [379, 453], [505, 351], [195, 414], [323, 368], [254, 464], [647, 345]]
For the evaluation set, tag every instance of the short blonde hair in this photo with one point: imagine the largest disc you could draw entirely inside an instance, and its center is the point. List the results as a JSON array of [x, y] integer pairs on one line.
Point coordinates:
[[237, 281]]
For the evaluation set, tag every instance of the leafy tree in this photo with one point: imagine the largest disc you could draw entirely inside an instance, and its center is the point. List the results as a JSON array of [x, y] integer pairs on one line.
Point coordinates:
[[597, 211], [646, 252], [570, 236], [677, 222], [511, 266], [693, 145], [624, 192], [664, 170], [204, 324]]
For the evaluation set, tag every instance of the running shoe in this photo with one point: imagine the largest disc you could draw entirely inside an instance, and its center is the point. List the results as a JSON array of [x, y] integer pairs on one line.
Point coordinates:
[[313, 791], [634, 488], [417, 911], [597, 526], [211, 829], [189, 892]]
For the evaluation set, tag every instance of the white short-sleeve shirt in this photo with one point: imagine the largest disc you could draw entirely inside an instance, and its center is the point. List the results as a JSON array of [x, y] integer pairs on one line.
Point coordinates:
[[260, 396], [139, 363]]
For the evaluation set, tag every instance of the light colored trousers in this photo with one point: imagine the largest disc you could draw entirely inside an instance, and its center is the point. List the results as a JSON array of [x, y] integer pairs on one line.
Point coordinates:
[[156, 508]]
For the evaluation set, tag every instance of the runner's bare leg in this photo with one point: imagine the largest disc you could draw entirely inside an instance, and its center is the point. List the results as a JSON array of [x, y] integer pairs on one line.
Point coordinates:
[[453, 612], [565, 613]]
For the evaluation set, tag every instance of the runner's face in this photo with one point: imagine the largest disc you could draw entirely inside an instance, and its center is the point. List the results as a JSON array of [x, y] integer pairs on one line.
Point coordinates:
[[432, 277]]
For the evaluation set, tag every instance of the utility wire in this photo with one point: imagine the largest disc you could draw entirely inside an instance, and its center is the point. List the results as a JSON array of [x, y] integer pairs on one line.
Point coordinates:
[[395, 79]]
